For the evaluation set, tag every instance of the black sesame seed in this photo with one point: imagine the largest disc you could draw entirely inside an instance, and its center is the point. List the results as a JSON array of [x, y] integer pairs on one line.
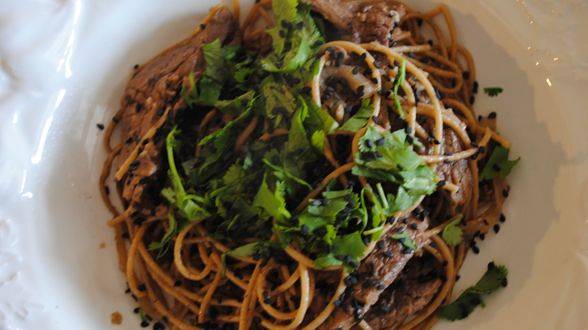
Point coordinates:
[[504, 282], [505, 193], [144, 324], [482, 236], [381, 244], [304, 230], [100, 126], [366, 240], [475, 87], [158, 326], [419, 21], [391, 220], [136, 66], [472, 99], [475, 249], [465, 75], [496, 228], [374, 80], [430, 42], [141, 287], [441, 183], [136, 310], [409, 139], [202, 26], [502, 218], [360, 90], [492, 115]]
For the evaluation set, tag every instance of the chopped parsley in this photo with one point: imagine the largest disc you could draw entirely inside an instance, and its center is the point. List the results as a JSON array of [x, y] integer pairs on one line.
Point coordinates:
[[493, 91], [494, 279]]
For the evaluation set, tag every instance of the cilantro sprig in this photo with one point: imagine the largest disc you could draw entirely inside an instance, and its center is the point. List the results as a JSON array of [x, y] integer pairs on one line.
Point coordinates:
[[498, 164], [494, 279], [452, 234]]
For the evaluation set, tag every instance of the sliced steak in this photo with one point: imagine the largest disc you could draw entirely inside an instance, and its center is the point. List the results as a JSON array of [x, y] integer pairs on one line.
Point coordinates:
[[375, 273], [362, 20], [154, 88], [409, 294], [457, 173]]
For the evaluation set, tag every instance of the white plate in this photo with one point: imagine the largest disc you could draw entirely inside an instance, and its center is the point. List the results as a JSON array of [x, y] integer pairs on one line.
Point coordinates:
[[63, 65]]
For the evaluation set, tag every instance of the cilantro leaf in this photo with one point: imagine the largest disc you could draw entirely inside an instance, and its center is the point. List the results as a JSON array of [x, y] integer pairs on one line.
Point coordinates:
[[190, 206], [494, 278], [165, 243], [405, 239], [498, 164], [360, 118], [326, 261], [281, 171], [349, 245], [399, 80], [294, 37], [216, 146], [235, 106], [279, 101], [388, 157], [493, 91], [297, 138], [221, 67], [244, 251], [452, 233], [272, 202], [284, 11]]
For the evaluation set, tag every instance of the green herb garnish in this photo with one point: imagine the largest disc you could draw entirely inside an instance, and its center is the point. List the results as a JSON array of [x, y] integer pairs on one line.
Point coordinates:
[[464, 305], [452, 233], [493, 91], [498, 164], [399, 80]]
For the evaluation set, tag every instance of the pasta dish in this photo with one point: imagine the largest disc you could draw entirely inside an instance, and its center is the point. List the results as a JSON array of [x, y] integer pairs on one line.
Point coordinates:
[[319, 166]]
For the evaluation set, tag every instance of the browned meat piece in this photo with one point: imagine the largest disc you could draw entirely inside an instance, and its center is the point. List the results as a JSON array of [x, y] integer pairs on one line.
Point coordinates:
[[375, 273], [154, 88], [457, 173], [414, 289], [362, 20]]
